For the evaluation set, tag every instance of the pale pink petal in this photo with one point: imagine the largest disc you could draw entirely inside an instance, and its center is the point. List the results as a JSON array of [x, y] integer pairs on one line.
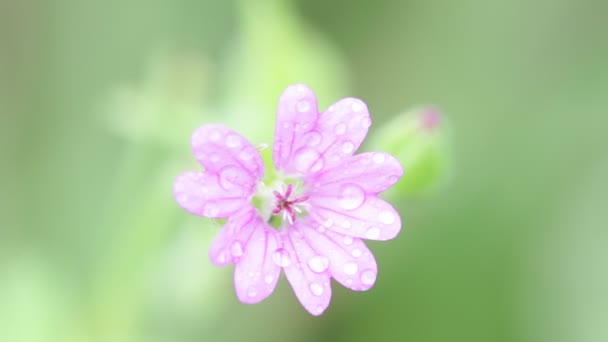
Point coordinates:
[[305, 142], [202, 193], [297, 114], [350, 262], [229, 156], [306, 271], [228, 245], [368, 217], [357, 177], [256, 274]]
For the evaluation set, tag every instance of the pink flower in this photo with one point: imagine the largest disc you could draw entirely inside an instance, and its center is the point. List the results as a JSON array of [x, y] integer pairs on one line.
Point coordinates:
[[324, 201]]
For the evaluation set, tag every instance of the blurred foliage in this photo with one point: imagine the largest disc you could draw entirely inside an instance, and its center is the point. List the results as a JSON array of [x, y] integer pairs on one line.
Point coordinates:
[[98, 100]]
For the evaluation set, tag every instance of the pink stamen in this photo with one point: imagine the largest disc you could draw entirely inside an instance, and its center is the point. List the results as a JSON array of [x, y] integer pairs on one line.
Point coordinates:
[[284, 203]]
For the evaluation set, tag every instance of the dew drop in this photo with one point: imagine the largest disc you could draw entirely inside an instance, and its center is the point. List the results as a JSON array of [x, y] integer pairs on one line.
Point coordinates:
[[366, 123], [281, 257], [233, 141], [268, 279], [247, 153], [211, 209], [346, 224], [230, 177], [221, 258], [319, 309], [356, 252], [378, 158], [312, 138], [303, 106], [236, 249], [252, 292], [357, 106], [318, 263], [307, 159], [351, 197], [387, 217], [316, 289], [372, 233], [347, 147], [214, 136], [348, 240], [340, 129], [350, 268], [368, 277], [393, 179]]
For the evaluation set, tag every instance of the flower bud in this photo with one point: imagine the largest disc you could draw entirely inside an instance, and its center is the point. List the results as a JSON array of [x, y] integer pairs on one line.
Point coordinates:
[[416, 138]]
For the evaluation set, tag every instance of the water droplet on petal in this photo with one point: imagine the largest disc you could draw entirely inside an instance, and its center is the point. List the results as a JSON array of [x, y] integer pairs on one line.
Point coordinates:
[[340, 129], [357, 106], [348, 240], [268, 279], [281, 257], [318, 263], [368, 277], [356, 252], [366, 123], [307, 159], [221, 258], [211, 209], [312, 138], [346, 224], [252, 292], [230, 177], [351, 197], [214, 136], [316, 289], [378, 158], [393, 179], [236, 249], [247, 153], [372, 233], [233, 141], [328, 223], [386, 217], [303, 106], [319, 309], [347, 147], [350, 268]]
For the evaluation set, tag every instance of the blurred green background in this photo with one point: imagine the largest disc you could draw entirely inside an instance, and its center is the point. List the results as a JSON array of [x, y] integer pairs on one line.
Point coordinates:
[[98, 100]]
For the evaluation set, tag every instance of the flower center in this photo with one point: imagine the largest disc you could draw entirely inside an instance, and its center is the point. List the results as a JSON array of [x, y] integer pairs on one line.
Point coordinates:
[[288, 204]]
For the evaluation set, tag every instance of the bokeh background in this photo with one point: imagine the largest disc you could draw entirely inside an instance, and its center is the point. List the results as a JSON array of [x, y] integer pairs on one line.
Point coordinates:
[[98, 100]]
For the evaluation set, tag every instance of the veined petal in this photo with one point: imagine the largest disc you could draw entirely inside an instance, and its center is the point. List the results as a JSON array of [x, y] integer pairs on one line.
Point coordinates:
[[307, 276], [350, 261], [306, 142], [202, 193], [229, 156], [364, 174], [297, 114], [228, 245], [255, 273], [368, 217]]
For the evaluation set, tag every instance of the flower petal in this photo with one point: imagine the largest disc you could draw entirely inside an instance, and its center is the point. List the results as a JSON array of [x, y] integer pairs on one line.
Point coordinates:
[[255, 273], [297, 114], [202, 193], [350, 261], [309, 282], [364, 174], [368, 217], [228, 155], [306, 142], [228, 244]]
